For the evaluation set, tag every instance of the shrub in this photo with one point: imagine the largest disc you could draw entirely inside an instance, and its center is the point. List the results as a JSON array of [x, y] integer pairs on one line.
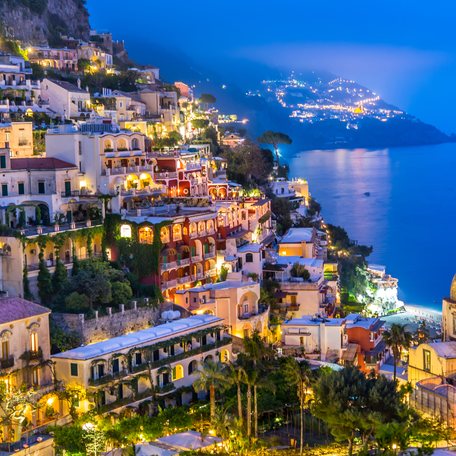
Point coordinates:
[[121, 292], [298, 270], [77, 303]]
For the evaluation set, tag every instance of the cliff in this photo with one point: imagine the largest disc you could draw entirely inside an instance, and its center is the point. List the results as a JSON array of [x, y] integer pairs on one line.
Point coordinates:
[[43, 21]]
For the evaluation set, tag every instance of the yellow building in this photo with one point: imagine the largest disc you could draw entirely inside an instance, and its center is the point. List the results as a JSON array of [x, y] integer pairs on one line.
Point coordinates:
[[437, 359], [299, 242], [159, 360], [449, 314]]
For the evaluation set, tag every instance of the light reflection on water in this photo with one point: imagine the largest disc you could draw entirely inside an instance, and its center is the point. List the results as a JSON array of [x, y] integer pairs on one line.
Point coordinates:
[[409, 214]]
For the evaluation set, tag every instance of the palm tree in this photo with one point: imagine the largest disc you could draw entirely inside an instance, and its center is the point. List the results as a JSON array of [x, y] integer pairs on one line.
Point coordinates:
[[300, 375], [251, 380], [212, 376], [238, 376], [397, 338], [274, 138]]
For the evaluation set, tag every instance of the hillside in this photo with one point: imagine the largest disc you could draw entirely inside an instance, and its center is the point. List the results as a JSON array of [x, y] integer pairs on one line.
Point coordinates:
[[42, 21]]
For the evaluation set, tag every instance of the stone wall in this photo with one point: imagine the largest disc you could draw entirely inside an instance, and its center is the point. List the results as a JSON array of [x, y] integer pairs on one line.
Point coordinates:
[[117, 322]]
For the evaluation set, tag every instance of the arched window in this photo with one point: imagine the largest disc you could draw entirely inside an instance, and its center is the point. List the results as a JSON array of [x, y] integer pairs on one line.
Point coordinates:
[[177, 232], [34, 341], [108, 146], [164, 235], [192, 367], [135, 144], [225, 356], [208, 358], [178, 372], [122, 144], [249, 257], [146, 235]]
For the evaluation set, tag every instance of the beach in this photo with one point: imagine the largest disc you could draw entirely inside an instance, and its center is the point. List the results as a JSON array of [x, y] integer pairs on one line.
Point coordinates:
[[412, 316]]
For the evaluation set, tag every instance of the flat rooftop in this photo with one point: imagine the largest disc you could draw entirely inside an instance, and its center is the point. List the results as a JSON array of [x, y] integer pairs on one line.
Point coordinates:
[[297, 235], [309, 320], [138, 338]]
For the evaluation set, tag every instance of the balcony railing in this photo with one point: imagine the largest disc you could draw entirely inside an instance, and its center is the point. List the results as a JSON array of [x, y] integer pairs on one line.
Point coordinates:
[[168, 266], [196, 258], [169, 284], [184, 262], [182, 280], [226, 340], [209, 255], [167, 175], [6, 363], [32, 355]]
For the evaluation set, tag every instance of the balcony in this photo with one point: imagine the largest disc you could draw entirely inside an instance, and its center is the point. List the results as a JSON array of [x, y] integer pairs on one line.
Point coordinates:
[[6, 363], [184, 262], [247, 315], [32, 355], [208, 255], [199, 276], [167, 175], [169, 284], [196, 258], [193, 235], [211, 273], [168, 266], [182, 280]]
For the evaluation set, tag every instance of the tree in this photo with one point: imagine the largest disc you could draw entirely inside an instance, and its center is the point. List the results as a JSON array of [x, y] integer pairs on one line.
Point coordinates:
[[212, 376], [207, 99], [299, 375], [353, 405], [298, 270], [77, 303], [274, 138], [60, 277], [398, 339], [121, 293], [238, 376], [45, 290]]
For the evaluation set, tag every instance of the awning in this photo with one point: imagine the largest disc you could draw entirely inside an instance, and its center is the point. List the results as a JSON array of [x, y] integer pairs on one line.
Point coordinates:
[[349, 354]]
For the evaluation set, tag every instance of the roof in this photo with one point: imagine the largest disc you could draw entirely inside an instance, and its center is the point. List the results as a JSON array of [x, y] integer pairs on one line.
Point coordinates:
[[218, 286], [68, 86], [444, 349], [251, 247], [189, 440], [297, 235], [138, 338], [13, 309], [309, 320], [308, 262], [40, 163], [357, 321]]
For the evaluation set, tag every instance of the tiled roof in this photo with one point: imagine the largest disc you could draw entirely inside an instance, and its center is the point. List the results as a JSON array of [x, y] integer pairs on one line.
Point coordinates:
[[12, 309], [40, 163]]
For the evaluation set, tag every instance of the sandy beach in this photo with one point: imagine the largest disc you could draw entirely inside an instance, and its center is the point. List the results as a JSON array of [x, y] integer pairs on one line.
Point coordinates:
[[412, 316]]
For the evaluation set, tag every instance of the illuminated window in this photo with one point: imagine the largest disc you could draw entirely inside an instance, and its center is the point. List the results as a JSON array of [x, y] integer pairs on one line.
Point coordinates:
[[34, 342], [146, 235], [164, 235], [427, 360], [178, 372], [177, 232], [224, 356], [5, 349], [36, 376], [125, 231]]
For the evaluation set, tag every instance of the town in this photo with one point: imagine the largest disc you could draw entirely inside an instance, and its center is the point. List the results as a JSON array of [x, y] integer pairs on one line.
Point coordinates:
[[166, 287]]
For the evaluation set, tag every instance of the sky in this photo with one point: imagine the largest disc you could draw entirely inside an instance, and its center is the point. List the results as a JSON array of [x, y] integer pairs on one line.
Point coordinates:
[[405, 50]]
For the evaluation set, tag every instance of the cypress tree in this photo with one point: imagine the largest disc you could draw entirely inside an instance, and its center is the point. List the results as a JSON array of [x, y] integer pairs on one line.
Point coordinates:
[[44, 281]]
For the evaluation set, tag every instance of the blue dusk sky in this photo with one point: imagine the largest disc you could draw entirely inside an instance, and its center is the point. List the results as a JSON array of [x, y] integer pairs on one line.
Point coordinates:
[[405, 50]]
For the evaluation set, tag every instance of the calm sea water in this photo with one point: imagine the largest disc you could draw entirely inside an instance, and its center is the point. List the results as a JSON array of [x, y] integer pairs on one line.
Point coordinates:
[[409, 217]]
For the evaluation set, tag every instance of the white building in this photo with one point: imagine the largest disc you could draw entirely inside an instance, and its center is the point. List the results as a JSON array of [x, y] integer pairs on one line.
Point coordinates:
[[65, 99], [314, 335]]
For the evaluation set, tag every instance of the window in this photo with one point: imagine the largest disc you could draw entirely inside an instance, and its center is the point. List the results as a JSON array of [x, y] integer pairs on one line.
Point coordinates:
[[192, 367], [115, 366], [21, 188], [146, 235], [178, 372], [36, 376], [5, 349], [101, 370], [4, 189], [41, 188], [2, 161], [427, 360], [34, 342], [138, 358], [249, 258], [301, 340], [67, 188], [74, 369]]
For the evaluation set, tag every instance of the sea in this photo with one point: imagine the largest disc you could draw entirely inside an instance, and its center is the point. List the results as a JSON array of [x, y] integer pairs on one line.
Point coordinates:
[[402, 201]]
